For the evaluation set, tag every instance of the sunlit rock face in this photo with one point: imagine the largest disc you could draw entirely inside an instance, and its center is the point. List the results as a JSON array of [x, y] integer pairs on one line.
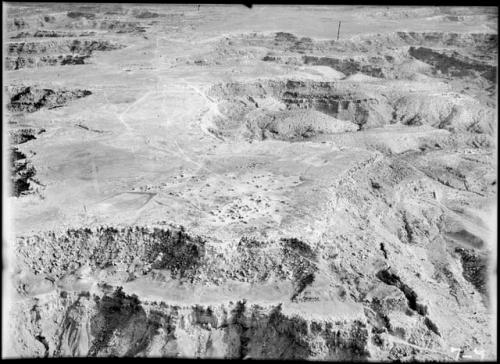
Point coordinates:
[[250, 183]]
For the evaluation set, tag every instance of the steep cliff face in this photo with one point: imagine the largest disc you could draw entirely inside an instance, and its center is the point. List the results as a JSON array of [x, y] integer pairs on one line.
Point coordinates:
[[74, 303], [245, 107], [117, 324], [22, 172], [142, 291], [184, 186], [53, 53], [31, 98]]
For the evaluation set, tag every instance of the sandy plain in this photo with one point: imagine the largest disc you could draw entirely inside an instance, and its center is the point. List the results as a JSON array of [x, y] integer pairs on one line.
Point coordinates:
[[238, 183]]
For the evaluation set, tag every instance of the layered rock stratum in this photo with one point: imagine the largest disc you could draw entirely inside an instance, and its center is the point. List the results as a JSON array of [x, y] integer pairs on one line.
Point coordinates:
[[225, 182]]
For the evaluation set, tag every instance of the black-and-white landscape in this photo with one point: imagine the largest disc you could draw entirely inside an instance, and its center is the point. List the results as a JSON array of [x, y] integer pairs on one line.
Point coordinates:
[[274, 182]]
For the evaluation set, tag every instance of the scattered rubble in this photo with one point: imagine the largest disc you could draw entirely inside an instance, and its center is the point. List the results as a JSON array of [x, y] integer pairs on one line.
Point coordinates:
[[226, 193]]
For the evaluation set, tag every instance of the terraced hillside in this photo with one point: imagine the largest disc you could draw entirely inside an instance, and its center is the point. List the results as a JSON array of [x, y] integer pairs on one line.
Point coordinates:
[[226, 182]]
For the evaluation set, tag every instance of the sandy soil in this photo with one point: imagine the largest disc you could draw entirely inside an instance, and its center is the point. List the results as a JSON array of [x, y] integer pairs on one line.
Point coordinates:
[[238, 183]]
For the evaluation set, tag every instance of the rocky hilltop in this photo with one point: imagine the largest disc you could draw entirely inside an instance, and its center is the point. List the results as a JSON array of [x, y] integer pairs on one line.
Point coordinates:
[[225, 182]]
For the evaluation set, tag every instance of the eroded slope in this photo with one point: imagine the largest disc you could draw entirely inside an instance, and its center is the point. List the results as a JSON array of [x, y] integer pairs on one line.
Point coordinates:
[[209, 191]]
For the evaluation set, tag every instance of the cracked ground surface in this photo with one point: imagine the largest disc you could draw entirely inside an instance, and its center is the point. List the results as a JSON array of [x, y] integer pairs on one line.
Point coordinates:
[[238, 183]]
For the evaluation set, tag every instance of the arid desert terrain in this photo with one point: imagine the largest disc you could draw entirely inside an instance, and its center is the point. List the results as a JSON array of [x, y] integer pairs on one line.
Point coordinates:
[[234, 182]]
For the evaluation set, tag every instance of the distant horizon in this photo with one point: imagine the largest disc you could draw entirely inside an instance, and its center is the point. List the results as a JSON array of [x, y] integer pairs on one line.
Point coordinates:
[[288, 182]]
